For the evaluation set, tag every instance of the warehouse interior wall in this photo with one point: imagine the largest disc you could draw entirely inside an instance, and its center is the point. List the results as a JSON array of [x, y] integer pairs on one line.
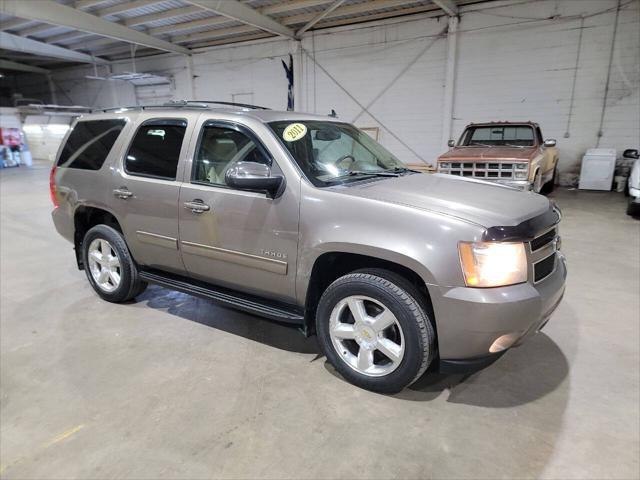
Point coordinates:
[[547, 61]]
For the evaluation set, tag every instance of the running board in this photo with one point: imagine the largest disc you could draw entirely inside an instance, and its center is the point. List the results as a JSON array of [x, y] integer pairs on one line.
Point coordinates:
[[226, 297]]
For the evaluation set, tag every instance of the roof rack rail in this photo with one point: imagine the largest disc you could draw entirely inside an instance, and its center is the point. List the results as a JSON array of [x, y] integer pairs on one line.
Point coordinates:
[[214, 102], [182, 104]]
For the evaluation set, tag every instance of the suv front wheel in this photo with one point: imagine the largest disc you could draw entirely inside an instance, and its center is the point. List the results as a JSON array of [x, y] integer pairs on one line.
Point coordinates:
[[375, 331], [108, 264]]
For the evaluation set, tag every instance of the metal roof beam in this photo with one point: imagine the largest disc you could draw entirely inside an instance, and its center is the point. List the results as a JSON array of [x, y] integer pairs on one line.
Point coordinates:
[[124, 7], [16, 43], [204, 22], [448, 6], [88, 3], [21, 67], [42, 27], [58, 14], [242, 13], [154, 17], [352, 9], [319, 17], [15, 24]]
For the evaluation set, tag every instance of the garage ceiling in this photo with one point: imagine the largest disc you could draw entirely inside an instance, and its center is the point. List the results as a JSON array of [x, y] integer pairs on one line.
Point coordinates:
[[54, 34]]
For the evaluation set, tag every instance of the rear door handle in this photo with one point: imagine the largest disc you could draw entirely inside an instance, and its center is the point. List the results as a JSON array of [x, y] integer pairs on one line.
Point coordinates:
[[197, 206], [123, 193]]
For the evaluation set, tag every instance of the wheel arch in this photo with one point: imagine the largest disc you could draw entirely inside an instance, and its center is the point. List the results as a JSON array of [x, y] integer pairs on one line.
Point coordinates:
[[331, 265], [84, 218]]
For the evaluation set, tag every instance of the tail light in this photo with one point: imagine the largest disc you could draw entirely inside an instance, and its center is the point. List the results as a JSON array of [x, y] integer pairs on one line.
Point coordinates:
[[52, 186]]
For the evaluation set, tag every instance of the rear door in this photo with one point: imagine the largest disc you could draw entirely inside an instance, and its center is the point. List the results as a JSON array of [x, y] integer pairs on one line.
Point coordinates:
[[146, 190]]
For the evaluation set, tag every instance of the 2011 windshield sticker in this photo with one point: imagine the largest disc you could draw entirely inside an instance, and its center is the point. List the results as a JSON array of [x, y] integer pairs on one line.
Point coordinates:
[[294, 131]]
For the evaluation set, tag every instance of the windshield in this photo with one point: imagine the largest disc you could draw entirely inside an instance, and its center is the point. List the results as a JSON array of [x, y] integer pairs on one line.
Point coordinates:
[[489, 136], [331, 153]]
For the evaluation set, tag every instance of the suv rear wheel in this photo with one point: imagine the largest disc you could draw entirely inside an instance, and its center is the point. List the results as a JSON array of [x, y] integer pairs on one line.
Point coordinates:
[[108, 264], [375, 331]]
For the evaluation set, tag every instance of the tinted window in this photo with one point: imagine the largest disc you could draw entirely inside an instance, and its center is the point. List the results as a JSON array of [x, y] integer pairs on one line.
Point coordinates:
[[155, 149], [89, 143], [219, 149]]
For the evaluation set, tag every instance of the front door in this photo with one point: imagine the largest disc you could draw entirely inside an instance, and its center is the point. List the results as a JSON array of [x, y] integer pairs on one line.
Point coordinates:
[[234, 238], [146, 192]]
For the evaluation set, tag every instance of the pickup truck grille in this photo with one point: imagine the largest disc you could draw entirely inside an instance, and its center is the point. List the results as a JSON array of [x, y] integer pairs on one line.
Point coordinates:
[[487, 170]]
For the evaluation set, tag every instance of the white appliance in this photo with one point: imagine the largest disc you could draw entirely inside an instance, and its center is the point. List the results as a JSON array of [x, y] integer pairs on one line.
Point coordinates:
[[597, 169]]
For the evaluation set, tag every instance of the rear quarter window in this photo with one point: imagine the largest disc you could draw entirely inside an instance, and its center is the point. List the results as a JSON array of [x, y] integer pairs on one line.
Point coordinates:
[[89, 143]]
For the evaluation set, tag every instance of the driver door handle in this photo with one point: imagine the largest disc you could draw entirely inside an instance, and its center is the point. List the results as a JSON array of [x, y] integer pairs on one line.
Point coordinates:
[[197, 206]]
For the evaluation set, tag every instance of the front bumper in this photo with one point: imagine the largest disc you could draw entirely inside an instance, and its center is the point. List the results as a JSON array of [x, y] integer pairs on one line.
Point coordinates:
[[520, 184], [475, 325]]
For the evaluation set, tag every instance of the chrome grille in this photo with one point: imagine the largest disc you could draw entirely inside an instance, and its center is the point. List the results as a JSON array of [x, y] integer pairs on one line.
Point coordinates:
[[486, 170]]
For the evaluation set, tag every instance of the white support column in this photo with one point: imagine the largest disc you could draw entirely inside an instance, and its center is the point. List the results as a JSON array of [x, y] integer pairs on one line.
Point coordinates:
[[190, 78], [298, 74], [52, 89], [113, 88], [450, 80]]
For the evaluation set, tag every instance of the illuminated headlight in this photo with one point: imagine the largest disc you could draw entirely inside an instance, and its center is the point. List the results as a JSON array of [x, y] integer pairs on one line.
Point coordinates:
[[493, 264], [444, 165], [521, 175]]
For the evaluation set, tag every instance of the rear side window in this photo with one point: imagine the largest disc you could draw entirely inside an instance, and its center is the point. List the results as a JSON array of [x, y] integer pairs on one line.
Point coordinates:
[[155, 149], [89, 143]]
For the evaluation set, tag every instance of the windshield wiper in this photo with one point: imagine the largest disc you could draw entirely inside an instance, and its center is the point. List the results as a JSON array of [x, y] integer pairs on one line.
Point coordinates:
[[517, 146], [401, 170], [381, 173]]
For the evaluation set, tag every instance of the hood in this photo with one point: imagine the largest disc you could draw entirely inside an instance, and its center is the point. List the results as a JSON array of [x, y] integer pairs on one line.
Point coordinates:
[[475, 154], [483, 203]]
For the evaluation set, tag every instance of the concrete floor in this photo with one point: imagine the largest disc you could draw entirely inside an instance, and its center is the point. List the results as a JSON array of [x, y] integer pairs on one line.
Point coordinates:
[[175, 387]]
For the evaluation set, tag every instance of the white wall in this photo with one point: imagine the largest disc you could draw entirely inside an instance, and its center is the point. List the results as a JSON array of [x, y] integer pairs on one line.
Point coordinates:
[[515, 62]]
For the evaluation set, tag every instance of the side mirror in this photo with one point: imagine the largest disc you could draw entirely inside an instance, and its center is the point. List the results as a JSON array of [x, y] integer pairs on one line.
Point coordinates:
[[254, 176], [550, 142], [631, 153], [451, 143]]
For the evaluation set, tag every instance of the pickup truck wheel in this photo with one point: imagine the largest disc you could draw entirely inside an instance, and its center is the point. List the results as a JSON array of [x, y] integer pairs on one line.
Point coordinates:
[[374, 332], [108, 264]]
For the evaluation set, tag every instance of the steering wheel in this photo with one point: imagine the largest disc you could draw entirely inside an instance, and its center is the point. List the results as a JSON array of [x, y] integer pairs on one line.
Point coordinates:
[[343, 158]]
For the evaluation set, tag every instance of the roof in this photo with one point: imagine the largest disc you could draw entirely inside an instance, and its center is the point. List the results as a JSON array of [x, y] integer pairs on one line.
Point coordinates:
[[502, 122], [263, 115], [105, 30]]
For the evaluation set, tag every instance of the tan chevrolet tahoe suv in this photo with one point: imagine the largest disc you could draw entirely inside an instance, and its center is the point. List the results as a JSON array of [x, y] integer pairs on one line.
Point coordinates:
[[307, 220]]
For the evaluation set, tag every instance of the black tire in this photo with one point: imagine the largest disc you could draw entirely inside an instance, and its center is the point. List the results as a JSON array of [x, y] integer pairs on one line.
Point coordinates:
[[633, 209], [410, 310], [130, 285], [551, 184]]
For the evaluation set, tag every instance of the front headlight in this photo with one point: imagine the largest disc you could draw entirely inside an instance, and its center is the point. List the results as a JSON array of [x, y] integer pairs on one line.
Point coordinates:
[[493, 264]]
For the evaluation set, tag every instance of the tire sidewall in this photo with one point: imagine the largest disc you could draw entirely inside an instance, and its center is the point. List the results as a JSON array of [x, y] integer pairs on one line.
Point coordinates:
[[127, 268], [411, 363]]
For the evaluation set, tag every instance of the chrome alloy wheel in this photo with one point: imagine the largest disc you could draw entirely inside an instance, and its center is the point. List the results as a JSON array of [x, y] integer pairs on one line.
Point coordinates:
[[366, 335], [104, 265]]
